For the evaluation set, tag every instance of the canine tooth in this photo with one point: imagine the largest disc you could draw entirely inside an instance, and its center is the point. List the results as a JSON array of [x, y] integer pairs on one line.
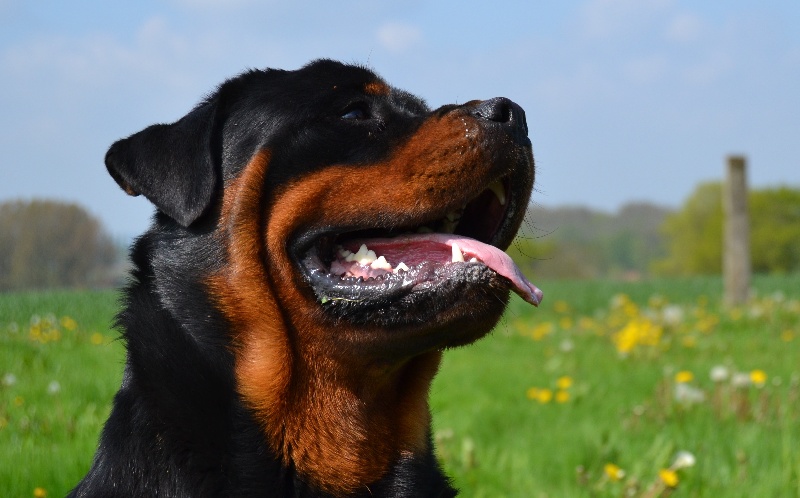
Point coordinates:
[[380, 264], [499, 191], [453, 216], [400, 266], [458, 256]]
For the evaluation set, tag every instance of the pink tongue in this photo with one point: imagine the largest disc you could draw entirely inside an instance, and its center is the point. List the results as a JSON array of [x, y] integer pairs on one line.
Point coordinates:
[[413, 249]]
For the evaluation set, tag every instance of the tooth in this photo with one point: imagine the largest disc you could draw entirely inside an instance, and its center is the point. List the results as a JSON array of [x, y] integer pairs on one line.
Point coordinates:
[[458, 257], [368, 258], [362, 251], [363, 257], [380, 264], [400, 266], [453, 216], [499, 191], [344, 253], [473, 260]]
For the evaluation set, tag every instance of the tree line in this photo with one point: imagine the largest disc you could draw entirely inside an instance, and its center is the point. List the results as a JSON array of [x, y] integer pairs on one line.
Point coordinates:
[[642, 239], [51, 244]]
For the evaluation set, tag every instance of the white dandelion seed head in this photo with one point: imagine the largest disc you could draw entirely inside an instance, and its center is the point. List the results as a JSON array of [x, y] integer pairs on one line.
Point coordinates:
[[54, 387], [673, 315], [686, 394], [719, 373], [740, 380], [683, 460], [9, 379]]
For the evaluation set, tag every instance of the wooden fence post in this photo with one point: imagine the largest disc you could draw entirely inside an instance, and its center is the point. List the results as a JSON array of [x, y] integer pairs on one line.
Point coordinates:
[[736, 243]]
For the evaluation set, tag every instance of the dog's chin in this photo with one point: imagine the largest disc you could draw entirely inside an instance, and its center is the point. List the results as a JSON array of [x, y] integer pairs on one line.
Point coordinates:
[[431, 306], [431, 303], [417, 296]]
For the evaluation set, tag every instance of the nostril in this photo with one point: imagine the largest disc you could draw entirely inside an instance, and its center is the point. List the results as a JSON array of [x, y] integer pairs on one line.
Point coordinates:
[[498, 110], [502, 111]]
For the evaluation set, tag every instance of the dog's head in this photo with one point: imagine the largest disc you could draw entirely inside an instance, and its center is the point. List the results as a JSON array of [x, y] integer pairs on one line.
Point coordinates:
[[358, 228]]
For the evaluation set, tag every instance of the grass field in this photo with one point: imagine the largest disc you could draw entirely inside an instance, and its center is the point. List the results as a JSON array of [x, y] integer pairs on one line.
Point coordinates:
[[607, 390]]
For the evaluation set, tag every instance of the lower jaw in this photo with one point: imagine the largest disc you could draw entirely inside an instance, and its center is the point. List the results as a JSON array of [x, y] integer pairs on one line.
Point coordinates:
[[432, 297]]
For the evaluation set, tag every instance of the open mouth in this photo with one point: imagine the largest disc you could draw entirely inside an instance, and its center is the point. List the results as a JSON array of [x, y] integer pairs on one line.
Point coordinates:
[[378, 266]]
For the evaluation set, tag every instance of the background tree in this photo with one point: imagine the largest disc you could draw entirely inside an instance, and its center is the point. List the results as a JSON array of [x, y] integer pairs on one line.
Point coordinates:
[[694, 233], [775, 230], [52, 244], [577, 242]]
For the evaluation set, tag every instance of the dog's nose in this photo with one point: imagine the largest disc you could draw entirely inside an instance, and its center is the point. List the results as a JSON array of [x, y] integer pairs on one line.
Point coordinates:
[[502, 111]]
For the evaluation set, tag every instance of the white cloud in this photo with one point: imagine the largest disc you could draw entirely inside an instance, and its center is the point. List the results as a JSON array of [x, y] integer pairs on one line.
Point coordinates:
[[646, 69], [709, 70], [609, 18], [684, 28], [398, 37]]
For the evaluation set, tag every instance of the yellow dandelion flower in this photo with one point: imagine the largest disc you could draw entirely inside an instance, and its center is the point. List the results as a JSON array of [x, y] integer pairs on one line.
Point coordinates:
[[39, 493], [787, 336], [35, 332], [561, 307], [564, 382], [684, 376], [545, 396], [68, 323], [532, 393], [758, 377], [19, 401], [565, 323], [613, 471], [689, 341], [668, 477], [97, 338], [630, 309], [542, 330], [562, 396]]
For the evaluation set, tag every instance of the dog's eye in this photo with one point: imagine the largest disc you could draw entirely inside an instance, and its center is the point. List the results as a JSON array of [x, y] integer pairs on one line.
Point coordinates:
[[357, 113]]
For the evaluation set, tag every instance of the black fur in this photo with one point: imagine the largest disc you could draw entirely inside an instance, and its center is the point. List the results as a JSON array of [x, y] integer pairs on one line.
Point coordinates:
[[178, 428]]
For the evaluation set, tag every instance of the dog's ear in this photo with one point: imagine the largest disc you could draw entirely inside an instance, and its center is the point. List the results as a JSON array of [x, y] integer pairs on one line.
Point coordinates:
[[172, 165]]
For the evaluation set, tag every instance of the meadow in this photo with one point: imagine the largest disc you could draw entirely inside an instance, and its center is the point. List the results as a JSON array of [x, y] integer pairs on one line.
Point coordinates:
[[609, 389]]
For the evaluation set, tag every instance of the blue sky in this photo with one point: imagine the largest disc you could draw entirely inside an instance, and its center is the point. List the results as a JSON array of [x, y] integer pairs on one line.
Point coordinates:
[[626, 99]]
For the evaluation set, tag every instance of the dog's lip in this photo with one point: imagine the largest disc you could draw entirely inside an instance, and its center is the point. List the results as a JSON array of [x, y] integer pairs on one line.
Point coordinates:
[[487, 259], [471, 251]]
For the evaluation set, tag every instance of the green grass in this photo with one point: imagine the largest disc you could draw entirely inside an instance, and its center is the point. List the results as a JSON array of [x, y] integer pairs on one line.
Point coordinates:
[[495, 441], [56, 387], [493, 438]]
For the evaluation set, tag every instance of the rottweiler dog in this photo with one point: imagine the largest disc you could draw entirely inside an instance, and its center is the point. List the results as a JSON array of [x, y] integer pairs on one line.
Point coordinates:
[[320, 238]]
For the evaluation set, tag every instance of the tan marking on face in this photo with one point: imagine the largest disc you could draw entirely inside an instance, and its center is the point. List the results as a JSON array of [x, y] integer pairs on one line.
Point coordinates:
[[339, 416], [376, 88]]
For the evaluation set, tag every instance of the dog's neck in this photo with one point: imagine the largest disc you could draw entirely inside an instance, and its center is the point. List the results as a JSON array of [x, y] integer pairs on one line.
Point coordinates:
[[345, 425], [341, 420], [341, 423]]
